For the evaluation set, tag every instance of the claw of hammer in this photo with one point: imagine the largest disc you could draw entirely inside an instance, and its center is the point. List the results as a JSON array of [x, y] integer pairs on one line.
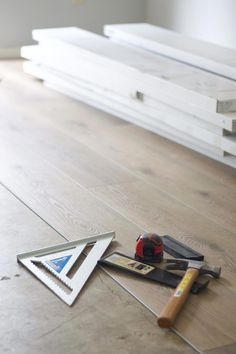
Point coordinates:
[[184, 264]]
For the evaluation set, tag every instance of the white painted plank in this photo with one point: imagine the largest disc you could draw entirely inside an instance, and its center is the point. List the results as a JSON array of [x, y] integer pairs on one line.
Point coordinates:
[[162, 130], [152, 72], [145, 105], [110, 105], [106, 78], [90, 95], [171, 118], [208, 56]]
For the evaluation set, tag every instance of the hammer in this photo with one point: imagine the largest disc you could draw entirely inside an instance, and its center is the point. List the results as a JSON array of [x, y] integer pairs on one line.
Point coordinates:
[[174, 305]]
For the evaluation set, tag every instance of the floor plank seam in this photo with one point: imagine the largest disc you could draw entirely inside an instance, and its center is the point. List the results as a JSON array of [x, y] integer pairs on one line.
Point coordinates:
[[93, 195], [34, 212], [59, 187], [149, 309], [29, 208]]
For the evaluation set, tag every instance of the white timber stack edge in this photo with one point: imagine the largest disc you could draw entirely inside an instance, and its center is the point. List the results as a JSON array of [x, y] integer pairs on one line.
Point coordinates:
[[118, 106], [105, 101], [128, 83], [150, 73], [106, 77], [208, 56]]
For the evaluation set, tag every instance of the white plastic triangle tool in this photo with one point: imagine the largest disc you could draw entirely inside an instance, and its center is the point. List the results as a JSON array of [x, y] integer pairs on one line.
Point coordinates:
[[54, 265]]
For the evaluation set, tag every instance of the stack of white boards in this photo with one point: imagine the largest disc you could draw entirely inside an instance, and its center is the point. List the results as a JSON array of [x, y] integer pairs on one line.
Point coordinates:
[[185, 104]]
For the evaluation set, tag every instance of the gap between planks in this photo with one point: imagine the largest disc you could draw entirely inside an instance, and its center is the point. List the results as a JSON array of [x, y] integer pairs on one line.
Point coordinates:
[[60, 173], [103, 269], [57, 314]]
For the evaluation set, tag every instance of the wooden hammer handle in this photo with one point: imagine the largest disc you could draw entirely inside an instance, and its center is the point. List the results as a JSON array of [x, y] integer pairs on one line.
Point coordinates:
[[174, 305]]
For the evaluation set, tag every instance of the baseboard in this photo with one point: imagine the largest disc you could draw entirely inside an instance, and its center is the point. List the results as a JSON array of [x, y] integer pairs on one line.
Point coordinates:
[[10, 53]]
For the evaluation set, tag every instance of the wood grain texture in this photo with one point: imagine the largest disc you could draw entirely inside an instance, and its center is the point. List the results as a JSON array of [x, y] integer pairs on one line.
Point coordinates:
[[153, 210], [88, 133], [227, 349], [92, 169], [201, 192], [63, 202], [191, 160], [58, 192], [35, 321], [72, 217]]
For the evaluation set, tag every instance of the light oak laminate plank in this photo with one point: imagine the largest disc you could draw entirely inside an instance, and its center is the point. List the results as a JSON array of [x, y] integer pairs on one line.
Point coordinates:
[[35, 320], [227, 349], [73, 211], [155, 212], [62, 201], [68, 206], [211, 197], [201, 193], [189, 159], [62, 152], [164, 168], [68, 154], [85, 128]]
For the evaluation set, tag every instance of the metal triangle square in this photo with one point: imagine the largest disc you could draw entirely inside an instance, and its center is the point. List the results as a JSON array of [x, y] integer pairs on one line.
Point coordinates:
[[52, 265]]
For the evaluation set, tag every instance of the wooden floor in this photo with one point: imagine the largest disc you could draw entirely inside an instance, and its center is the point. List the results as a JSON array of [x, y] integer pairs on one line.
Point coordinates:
[[69, 171]]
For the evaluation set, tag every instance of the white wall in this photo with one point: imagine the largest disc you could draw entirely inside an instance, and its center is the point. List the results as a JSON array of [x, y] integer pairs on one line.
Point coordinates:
[[211, 20], [19, 17]]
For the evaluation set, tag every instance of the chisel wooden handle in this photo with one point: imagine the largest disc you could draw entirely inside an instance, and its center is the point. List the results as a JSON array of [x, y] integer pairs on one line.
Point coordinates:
[[174, 305]]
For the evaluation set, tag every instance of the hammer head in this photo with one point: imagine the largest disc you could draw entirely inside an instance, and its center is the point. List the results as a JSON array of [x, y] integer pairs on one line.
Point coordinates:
[[184, 264]]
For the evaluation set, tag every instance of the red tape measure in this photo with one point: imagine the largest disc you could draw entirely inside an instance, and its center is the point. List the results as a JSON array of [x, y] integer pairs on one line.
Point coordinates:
[[149, 248]]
